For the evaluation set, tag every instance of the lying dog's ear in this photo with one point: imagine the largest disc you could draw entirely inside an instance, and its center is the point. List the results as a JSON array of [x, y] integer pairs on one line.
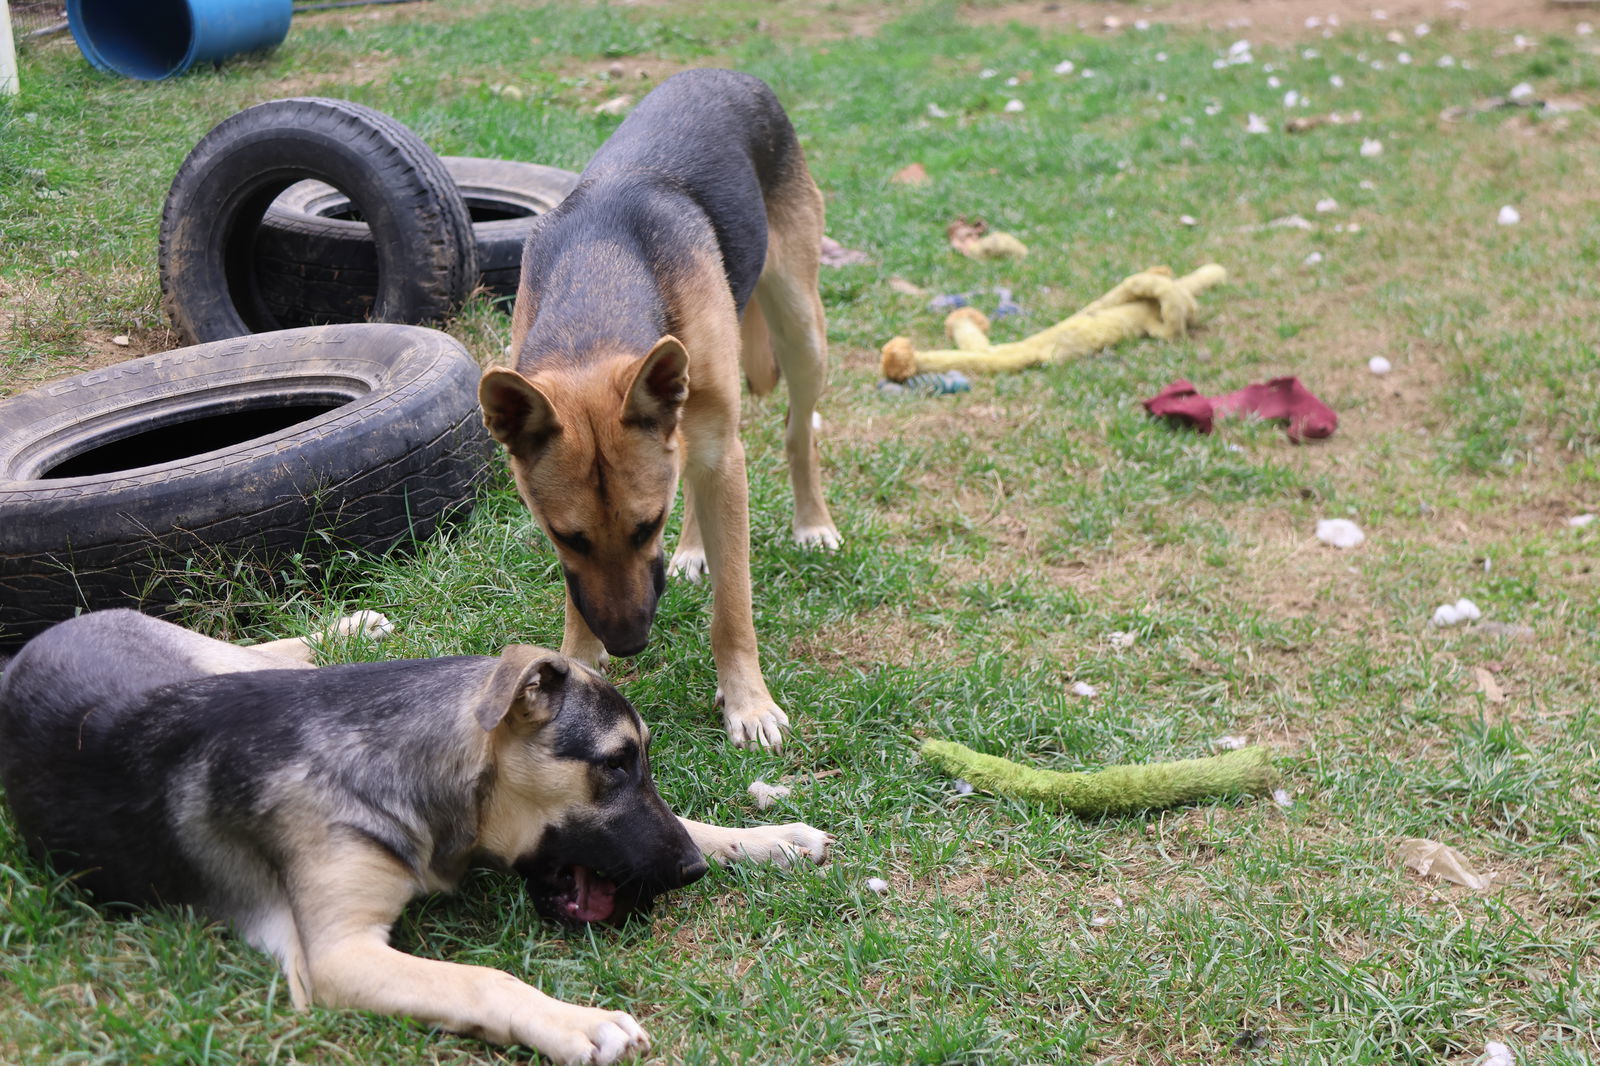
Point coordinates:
[[516, 413], [659, 388], [525, 687]]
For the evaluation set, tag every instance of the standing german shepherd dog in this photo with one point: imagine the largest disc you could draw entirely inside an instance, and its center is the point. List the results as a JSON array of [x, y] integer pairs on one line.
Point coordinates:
[[634, 308], [306, 806]]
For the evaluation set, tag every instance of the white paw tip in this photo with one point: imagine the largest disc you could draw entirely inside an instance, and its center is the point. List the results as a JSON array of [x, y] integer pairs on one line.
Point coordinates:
[[610, 1042]]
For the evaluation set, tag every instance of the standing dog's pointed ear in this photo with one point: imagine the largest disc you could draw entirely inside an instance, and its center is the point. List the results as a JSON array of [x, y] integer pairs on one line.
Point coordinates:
[[516, 413], [524, 688], [659, 388]]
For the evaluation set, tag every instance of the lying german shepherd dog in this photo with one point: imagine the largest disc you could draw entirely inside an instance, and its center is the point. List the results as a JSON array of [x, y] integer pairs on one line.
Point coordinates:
[[306, 806], [633, 318]]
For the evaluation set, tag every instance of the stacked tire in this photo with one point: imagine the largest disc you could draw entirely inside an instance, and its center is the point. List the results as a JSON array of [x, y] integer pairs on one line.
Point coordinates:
[[310, 211]]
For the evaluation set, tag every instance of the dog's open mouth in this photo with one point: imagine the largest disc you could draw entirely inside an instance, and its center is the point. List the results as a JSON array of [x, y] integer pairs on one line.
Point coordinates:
[[583, 895]]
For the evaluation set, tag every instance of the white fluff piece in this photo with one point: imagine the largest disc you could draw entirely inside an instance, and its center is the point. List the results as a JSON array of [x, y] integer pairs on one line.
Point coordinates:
[[878, 885], [1084, 689], [1281, 797], [1256, 124], [1326, 204], [1467, 610], [1379, 365], [1339, 532], [1065, 67], [1446, 615], [1496, 1054], [1371, 148], [963, 787], [1509, 216], [1521, 93], [1014, 105], [1578, 521], [1230, 742], [766, 795], [1314, 259]]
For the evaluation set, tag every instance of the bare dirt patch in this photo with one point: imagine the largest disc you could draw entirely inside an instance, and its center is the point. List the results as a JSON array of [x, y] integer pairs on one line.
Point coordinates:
[[1290, 20]]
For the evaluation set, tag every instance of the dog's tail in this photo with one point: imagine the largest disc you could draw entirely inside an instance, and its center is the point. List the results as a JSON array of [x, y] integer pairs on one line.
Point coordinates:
[[755, 352]]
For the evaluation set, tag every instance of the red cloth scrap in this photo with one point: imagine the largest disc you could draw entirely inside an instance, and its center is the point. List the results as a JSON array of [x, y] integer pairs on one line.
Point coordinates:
[[1278, 400]]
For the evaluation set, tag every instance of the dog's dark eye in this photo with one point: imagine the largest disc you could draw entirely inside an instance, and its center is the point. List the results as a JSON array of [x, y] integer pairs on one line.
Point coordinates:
[[575, 541], [645, 530]]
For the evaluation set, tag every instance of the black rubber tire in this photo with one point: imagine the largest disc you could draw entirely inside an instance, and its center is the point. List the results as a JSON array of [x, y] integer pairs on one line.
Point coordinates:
[[315, 260], [427, 261], [381, 442]]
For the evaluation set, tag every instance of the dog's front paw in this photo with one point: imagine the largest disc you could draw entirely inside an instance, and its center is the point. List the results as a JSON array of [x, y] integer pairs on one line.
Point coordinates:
[[824, 537], [689, 564], [757, 723], [784, 845], [583, 1036], [369, 625]]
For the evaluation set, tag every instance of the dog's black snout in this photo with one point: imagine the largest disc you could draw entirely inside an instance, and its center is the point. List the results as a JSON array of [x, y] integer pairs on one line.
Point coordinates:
[[622, 651], [690, 872]]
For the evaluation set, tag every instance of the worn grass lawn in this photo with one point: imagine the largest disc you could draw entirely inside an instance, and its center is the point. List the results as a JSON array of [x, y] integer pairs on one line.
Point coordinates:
[[993, 541]]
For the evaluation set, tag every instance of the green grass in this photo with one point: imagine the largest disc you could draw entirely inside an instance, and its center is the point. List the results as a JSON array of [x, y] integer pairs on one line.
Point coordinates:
[[993, 541]]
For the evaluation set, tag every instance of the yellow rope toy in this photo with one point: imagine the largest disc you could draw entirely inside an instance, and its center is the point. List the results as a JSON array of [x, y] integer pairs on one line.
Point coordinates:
[[1150, 303]]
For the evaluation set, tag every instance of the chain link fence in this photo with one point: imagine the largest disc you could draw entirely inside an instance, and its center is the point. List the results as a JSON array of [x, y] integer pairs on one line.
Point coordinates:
[[31, 19]]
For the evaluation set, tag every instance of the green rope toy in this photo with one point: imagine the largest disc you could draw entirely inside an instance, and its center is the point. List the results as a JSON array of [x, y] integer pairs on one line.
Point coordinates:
[[1116, 789]]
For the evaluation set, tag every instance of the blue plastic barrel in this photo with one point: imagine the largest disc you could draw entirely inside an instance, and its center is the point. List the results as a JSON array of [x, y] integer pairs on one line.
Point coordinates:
[[155, 39]]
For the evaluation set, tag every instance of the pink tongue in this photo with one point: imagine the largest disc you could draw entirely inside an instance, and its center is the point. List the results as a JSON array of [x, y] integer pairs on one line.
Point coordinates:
[[596, 899]]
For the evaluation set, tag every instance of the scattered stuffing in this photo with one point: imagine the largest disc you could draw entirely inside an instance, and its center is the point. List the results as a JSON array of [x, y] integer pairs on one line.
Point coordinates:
[[766, 795], [1379, 365], [1339, 532], [1451, 614], [1084, 689], [878, 885], [1230, 742], [1496, 1054]]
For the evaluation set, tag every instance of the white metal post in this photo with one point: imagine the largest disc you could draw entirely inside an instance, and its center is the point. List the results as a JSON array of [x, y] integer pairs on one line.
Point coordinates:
[[8, 52]]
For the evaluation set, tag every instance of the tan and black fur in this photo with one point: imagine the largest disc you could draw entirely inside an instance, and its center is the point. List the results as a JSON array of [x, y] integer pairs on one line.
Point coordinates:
[[689, 250], [307, 806]]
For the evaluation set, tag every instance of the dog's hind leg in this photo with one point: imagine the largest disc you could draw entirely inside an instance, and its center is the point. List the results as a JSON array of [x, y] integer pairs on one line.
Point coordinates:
[[792, 308], [344, 907]]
